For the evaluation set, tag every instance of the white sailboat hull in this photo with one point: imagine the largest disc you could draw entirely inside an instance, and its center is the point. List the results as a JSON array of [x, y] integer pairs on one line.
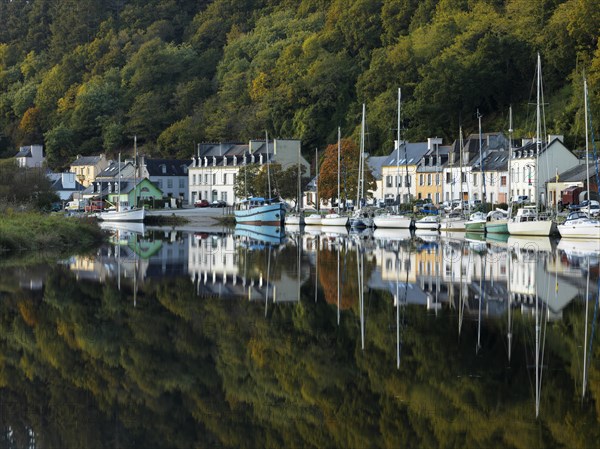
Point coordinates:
[[452, 224], [334, 220], [125, 215], [294, 220], [427, 223], [534, 227], [312, 220], [393, 221]]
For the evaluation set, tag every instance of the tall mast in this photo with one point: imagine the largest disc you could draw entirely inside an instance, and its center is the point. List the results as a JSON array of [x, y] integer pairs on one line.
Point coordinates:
[[338, 166], [135, 172], [587, 159], [268, 164], [461, 170], [398, 151], [483, 196], [510, 138], [538, 130], [318, 203], [298, 205], [359, 193]]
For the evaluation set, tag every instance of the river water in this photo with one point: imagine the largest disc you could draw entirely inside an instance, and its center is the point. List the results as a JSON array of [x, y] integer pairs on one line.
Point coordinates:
[[261, 337]]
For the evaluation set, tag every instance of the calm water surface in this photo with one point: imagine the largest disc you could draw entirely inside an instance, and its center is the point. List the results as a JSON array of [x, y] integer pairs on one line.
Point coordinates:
[[256, 337]]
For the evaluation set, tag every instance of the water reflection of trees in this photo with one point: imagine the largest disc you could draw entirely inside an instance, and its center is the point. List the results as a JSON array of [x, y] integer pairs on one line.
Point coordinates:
[[82, 367]]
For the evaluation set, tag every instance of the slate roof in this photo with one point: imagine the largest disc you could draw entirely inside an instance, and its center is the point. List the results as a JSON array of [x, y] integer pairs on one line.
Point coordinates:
[[576, 174], [86, 160], [410, 153], [112, 169], [174, 167], [56, 184], [224, 149], [375, 164], [24, 152]]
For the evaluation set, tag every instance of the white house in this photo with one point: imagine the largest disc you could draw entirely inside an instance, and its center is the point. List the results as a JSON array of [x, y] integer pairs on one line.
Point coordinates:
[[535, 163], [213, 171], [30, 156]]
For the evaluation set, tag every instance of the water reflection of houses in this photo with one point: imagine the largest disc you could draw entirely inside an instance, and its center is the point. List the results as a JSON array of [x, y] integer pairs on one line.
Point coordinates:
[[220, 266]]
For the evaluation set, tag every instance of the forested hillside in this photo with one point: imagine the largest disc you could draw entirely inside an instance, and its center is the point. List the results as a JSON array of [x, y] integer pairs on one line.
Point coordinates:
[[85, 76]]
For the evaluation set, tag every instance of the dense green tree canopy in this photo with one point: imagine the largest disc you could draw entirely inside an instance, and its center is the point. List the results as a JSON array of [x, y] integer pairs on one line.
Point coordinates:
[[176, 73]]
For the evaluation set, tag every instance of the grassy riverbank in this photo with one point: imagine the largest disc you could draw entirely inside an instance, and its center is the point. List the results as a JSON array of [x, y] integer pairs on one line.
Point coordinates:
[[35, 231]]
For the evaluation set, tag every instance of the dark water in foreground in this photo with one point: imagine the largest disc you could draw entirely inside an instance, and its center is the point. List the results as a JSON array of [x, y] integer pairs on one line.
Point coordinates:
[[214, 338]]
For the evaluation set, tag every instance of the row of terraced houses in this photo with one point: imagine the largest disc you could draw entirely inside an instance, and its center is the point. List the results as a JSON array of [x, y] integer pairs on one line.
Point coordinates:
[[477, 170]]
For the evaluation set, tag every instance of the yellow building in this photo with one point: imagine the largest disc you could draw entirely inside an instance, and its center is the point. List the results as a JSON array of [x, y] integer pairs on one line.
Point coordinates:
[[86, 168], [399, 172]]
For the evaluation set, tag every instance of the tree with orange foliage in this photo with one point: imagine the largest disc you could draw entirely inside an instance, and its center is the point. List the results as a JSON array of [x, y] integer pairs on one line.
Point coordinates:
[[349, 163]]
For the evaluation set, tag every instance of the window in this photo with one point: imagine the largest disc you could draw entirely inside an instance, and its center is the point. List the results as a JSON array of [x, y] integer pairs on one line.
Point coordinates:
[[428, 179], [194, 180], [182, 183], [388, 181], [234, 178], [448, 177], [474, 179], [225, 178], [224, 196], [463, 177], [214, 178], [421, 179], [159, 183], [169, 183], [503, 181], [205, 179], [437, 179], [399, 181]]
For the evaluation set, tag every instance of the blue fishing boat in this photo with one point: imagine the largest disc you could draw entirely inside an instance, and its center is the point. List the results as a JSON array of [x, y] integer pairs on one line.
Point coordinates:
[[259, 211]]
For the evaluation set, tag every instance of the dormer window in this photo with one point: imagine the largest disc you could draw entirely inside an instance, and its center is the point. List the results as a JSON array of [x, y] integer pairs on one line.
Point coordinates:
[[234, 161], [214, 161], [163, 168]]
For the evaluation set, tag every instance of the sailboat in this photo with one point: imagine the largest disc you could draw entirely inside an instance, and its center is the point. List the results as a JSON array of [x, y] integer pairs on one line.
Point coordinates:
[[335, 218], [297, 217], [124, 213], [498, 219], [578, 224], [477, 220], [315, 219], [528, 221], [361, 218], [258, 210], [396, 220], [455, 221]]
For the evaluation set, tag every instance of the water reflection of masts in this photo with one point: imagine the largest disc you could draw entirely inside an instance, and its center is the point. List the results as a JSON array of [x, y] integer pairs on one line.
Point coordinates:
[[585, 339], [338, 280], [360, 272], [509, 334], [268, 280]]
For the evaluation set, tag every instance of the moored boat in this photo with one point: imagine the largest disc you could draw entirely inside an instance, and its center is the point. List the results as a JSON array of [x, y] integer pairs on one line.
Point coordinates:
[[397, 221], [579, 225], [334, 219], [430, 222], [134, 214], [476, 222], [312, 220], [497, 222], [258, 211]]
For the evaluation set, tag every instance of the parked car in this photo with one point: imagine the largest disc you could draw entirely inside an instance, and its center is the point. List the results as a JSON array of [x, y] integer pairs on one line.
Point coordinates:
[[219, 203], [201, 203], [591, 208], [521, 199], [583, 205]]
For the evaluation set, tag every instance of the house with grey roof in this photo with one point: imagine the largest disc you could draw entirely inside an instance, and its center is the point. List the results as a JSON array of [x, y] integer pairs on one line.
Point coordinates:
[[86, 168], [215, 167], [534, 164], [399, 171], [65, 185], [169, 175], [30, 156]]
